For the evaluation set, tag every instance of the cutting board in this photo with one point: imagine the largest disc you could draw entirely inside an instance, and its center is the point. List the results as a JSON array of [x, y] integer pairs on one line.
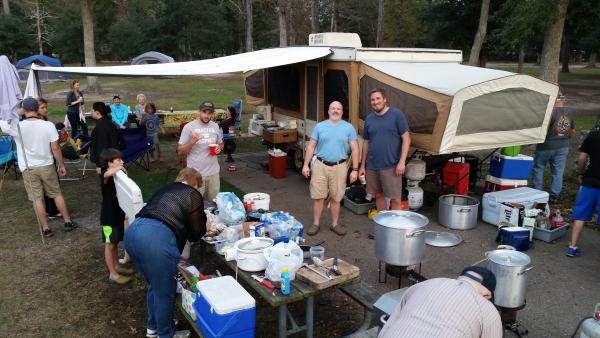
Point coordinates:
[[348, 271]]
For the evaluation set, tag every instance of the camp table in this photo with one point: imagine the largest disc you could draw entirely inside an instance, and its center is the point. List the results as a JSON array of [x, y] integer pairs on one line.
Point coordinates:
[[300, 291]]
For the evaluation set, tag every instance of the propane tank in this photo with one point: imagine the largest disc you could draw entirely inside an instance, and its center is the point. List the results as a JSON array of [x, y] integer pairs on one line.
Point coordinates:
[[415, 169], [415, 195], [590, 327]]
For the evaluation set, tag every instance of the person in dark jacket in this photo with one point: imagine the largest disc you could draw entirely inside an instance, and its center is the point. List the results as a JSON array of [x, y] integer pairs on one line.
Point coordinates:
[[75, 110], [155, 240], [104, 135]]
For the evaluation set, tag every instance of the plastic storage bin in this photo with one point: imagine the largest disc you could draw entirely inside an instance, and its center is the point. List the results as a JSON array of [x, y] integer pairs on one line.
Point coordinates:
[[527, 196], [498, 184], [550, 235], [359, 209], [511, 150], [513, 167], [224, 308]]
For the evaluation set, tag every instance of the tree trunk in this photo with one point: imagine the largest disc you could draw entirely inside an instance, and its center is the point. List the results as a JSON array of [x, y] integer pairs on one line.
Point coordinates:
[[564, 54], [551, 48], [283, 34], [380, 19], [87, 7], [121, 9], [38, 25], [593, 60], [314, 19], [333, 27], [249, 25], [481, 32], [5, 7], [521, 57]]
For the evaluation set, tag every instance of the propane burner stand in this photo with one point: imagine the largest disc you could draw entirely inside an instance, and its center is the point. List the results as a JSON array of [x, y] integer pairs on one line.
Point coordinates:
[[400, 272], [508, 316]]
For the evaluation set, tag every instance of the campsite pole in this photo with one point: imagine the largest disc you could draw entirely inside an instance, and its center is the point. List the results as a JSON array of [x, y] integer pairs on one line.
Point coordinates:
[[27, 168]]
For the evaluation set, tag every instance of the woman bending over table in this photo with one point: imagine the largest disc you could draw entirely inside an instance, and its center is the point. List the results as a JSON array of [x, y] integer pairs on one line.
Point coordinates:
[[155, 240]]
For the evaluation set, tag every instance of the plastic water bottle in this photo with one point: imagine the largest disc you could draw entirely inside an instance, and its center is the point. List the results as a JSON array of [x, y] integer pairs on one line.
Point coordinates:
[[285, 281], [252, 231], [557, 220]]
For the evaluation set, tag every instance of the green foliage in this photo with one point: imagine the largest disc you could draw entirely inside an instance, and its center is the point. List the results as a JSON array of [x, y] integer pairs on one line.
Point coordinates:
[[15, 37], [126, 40], [67, 37]]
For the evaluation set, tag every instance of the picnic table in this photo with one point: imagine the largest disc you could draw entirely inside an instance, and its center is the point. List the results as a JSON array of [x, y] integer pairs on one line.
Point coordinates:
[[300, 291]]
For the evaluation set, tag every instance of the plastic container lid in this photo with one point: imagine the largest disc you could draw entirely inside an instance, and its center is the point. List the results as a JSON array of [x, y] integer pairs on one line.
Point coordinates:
[[401, 219], [225, 295]]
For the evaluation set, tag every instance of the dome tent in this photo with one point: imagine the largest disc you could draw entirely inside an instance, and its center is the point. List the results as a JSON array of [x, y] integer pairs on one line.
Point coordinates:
[[24, 65], [150, 58]]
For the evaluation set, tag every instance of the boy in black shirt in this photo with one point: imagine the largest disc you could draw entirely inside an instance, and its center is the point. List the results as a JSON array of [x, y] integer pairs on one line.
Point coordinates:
[[112, 218]]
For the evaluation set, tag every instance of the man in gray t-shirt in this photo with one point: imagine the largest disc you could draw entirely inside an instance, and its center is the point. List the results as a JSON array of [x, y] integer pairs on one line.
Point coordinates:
[[554, 150], [196, 138]]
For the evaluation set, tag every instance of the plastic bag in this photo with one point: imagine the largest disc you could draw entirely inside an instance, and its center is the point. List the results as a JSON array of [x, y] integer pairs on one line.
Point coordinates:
[[231, 209], [279, 230], [283, 255]]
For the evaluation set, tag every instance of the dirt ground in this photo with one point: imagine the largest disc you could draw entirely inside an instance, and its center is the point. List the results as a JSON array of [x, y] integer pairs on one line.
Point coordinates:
[[59, 289]]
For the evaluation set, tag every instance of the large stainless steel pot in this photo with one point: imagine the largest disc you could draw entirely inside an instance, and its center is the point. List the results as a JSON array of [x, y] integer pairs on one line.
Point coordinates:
[[458, 212], [400, 237], [510, 268]]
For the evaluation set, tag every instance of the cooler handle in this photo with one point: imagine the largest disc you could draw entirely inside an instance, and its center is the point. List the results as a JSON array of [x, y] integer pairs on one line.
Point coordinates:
[[492, 201]]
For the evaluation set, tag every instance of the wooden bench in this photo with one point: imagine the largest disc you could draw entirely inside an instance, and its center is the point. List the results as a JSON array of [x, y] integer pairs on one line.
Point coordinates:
[[366, 296]]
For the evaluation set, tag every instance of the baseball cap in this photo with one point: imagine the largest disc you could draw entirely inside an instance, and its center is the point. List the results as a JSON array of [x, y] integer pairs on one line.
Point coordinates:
[[30, 104], [207, 105], [487, 277]]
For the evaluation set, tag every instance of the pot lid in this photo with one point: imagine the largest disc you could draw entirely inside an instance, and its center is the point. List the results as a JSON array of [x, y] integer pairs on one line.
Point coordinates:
[[401, 219], [254, 243], [442, 239], [508, 257]]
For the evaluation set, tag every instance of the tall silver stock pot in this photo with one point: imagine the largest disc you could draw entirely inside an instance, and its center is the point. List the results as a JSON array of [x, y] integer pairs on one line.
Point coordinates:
[[510, 268], [400, 237]]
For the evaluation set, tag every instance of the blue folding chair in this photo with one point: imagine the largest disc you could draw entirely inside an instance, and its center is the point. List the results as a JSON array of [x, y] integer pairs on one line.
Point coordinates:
[[137, 147], [8, 157]]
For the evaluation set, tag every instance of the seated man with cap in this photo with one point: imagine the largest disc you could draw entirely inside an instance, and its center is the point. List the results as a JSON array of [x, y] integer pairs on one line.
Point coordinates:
[[444, 307]]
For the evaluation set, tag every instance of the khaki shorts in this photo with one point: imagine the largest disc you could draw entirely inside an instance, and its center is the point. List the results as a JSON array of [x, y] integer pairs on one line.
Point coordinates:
[[328, 180], [211, 185], [41, 180], [385, 181]]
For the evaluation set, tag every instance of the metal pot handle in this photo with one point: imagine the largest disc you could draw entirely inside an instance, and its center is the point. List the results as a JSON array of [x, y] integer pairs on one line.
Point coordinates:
[[383, 319], [524, 271], [481, 261], [415, 233], [240, 258], [464, 210]]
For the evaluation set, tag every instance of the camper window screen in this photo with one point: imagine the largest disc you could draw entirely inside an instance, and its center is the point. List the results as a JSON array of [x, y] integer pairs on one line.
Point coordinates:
[[336, 89], [284, 87], [504, 110], [420, 114], [255, 85]]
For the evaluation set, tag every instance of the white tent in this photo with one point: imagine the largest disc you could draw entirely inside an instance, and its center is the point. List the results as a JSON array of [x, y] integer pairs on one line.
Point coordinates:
[[10, 93]]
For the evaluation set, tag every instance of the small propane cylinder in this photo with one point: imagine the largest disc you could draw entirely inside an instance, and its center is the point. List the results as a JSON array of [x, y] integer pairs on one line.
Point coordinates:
[[415, 169], [415, 196]]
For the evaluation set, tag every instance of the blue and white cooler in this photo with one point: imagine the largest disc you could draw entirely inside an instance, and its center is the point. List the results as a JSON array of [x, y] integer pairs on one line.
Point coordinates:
[[511, 167], [224, 308]]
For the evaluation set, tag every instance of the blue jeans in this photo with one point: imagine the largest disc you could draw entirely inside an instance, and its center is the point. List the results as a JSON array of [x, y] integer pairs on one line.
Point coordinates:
[[557, 159], [77, 124], [154, 252]]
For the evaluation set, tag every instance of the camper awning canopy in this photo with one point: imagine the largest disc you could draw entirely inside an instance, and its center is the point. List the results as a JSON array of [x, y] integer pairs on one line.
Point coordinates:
[[265, 58], [453, 108]]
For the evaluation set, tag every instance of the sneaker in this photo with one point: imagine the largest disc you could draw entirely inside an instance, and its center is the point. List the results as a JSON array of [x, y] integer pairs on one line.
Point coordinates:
[[572, 252], [48, 232], [126, 271], [153, 334], [71, 226], [121, 280], [313, 230], [338, 230], [181, 334]]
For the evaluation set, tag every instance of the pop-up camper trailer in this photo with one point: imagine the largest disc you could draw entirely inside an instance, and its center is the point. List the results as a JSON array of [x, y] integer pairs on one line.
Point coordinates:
[[449, 107]]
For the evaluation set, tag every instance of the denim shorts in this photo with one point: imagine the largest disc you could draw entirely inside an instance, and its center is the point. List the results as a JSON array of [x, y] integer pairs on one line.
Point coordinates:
[[588, 202]]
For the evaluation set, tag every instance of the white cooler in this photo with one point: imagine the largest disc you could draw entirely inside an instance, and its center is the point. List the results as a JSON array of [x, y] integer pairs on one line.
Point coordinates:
[[526, 196]]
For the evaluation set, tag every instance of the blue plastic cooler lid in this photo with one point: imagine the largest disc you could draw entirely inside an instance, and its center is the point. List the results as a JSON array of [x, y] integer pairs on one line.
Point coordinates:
[[225, 295]]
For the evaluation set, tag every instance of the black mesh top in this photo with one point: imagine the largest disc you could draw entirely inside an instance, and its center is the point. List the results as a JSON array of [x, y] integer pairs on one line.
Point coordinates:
[[181, 208]]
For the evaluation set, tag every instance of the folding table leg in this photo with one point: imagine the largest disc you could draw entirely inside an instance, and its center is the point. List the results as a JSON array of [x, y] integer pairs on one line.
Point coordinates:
[[310, 302], [282, 324]]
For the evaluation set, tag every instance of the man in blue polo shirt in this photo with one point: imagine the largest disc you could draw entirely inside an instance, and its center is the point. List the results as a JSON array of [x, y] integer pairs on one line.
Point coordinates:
[[331, 139], [385, 147]]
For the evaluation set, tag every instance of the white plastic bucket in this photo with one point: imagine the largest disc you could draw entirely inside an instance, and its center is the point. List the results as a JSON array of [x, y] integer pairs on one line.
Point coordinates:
[[261, 200]]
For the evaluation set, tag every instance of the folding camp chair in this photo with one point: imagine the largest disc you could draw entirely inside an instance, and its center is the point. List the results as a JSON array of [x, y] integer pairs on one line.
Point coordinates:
[[8, 157], [137, 147], [75, 158]]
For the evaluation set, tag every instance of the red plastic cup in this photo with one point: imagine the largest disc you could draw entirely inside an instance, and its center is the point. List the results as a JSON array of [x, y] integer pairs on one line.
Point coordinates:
[[213, 149]]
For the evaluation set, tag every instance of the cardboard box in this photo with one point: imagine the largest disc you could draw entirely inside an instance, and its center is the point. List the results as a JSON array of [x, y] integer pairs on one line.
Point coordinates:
[[511, 213], [280, 136]]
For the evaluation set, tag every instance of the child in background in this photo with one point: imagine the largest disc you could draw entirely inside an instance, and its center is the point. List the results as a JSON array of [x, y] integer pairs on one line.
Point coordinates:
[[112, 218], [151, 122]]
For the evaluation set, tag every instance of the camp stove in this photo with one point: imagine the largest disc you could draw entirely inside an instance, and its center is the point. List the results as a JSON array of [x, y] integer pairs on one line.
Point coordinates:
[[508, 316], [406, 273]]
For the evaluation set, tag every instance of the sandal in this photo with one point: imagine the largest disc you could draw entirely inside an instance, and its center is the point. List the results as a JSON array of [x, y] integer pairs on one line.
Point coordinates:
[[338, 230], [313, 230]]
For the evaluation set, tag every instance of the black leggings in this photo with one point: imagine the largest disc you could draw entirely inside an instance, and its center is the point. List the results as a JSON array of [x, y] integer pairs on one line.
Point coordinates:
[[76, 124]]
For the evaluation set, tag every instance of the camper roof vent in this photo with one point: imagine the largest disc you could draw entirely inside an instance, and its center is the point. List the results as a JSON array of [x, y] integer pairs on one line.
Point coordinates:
[[332, 39]]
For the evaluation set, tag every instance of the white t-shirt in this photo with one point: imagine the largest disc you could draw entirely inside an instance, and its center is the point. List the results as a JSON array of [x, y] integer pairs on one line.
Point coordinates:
[[199, 157], [37, 136]]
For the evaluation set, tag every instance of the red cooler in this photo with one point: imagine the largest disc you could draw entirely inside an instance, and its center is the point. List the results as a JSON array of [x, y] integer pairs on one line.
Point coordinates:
[[277, 165], [498, 184], [456, 175]]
